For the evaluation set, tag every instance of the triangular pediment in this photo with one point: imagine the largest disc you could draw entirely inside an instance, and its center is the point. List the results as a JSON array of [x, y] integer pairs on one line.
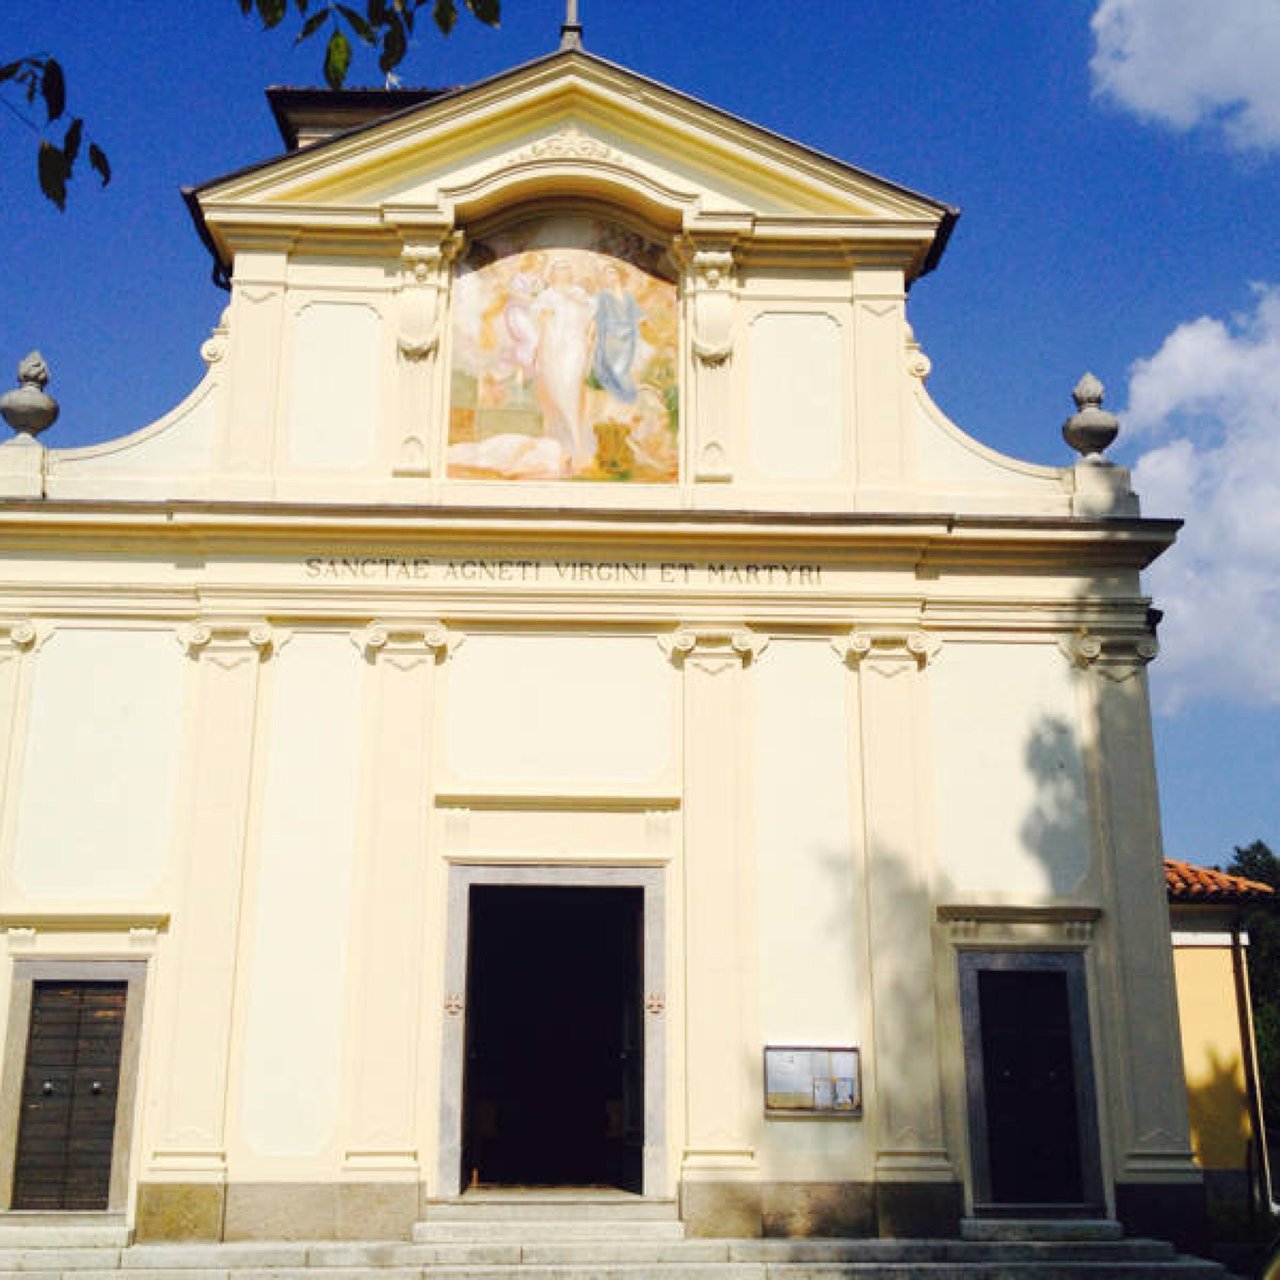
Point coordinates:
[[575, 126]]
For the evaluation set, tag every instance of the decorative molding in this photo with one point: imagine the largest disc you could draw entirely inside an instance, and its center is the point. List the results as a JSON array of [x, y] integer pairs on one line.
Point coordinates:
[[228, 641], [918, 364], [655, 1004], [424, 277], [888, 651], [400, 642], [85, 922], [1117, 657], [712, 282], [215, 345], [570, 143], [22, 634], [454, 1005], [986, 923], [713, 649]]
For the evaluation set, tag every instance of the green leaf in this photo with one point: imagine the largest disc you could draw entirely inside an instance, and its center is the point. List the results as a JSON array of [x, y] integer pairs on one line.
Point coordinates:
[[312, 25], [53, 171], [271, 12], [53, 88], [99, 163], [358, 24], [377, 11], [71, 142], [488, 11], [337, 58], [394, 47]]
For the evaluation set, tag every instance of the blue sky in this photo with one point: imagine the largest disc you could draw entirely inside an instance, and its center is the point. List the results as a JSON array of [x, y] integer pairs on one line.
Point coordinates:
[[1118, 167]]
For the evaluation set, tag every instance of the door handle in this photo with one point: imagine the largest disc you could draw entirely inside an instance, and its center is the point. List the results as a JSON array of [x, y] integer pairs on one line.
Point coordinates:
[[96, 1087], [47, 1088]]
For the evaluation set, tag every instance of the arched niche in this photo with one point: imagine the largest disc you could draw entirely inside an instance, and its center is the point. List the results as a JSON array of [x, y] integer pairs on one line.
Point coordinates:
[[564, 349]]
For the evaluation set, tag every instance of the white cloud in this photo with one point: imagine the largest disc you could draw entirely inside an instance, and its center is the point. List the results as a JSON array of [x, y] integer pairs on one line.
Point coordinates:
[[1192, 62], [1209, 400]]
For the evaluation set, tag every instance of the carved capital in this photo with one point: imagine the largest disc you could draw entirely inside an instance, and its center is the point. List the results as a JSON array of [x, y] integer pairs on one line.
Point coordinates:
[[20, 635], [229, 641], [425, 262], [424, 267], [714, 649], [1117, 657], [406, 642], [889, 651], [711, 281]]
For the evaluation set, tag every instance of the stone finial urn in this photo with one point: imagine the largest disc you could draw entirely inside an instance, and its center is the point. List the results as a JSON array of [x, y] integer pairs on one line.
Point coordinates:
[[29, 410], [1090, 429]]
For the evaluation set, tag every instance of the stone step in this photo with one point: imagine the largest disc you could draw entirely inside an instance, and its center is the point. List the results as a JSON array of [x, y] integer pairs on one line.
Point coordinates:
[[524, 1206], [1040, 1229], [603, 1269], [399, 1254], [20, 1229], [543, 1230], [613, 1258]]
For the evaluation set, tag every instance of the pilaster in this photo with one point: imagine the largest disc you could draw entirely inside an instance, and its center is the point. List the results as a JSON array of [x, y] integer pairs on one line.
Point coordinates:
[[723, 1094], [384, 1056], [1151, 1131], [196, 984], [425, 272], [880, 332], [19, 638], [711, 286], [891, 720], [256, 327]]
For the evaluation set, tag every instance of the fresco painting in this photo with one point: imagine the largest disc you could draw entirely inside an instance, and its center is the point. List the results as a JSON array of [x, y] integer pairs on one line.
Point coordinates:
[[564, 357]]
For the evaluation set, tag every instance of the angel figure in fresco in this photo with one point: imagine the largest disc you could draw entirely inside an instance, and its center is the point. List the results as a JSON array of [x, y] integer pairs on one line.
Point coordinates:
[[517, 316], [617, 324], [565, 330]]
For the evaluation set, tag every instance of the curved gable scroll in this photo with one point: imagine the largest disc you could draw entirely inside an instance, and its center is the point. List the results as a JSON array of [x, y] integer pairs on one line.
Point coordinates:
[[564, 355]]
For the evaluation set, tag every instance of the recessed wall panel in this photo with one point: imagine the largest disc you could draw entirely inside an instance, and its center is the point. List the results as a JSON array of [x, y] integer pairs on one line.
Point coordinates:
[[293, 1033], [1012, 805], [334, 390], [559, 710], [797, 411], [804, 840], [99, 775]]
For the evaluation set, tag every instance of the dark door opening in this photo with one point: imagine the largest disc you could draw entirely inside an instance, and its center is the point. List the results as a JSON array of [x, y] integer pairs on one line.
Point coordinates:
[[1030, 1084], [554, 1085], [1033, 1140], [70, 1088]]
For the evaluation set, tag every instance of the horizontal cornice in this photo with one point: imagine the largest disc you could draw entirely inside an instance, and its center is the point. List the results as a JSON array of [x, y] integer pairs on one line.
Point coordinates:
[[937, 539]]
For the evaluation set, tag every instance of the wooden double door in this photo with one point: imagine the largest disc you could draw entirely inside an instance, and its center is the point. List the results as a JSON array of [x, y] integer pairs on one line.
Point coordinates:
[[70, 1095]]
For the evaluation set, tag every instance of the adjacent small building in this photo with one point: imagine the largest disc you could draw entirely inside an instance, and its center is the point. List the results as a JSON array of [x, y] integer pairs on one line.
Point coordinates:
[[560, 705], [1208, 910]]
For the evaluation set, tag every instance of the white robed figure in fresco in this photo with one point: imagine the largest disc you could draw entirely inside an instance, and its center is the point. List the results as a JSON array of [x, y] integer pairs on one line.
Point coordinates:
[[566, 328]]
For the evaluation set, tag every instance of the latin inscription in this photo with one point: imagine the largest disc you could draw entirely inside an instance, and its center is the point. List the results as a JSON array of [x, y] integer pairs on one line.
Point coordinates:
[[611, 573]]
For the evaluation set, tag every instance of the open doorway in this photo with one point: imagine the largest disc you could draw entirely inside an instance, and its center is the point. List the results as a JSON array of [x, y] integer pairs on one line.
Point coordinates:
[[553, 1088]]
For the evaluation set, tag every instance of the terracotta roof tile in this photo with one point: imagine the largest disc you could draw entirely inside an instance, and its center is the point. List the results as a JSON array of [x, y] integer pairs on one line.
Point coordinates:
[[1186, 882]]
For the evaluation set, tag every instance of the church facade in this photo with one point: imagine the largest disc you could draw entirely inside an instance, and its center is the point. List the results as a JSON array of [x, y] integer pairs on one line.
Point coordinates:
[[559, 706]]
